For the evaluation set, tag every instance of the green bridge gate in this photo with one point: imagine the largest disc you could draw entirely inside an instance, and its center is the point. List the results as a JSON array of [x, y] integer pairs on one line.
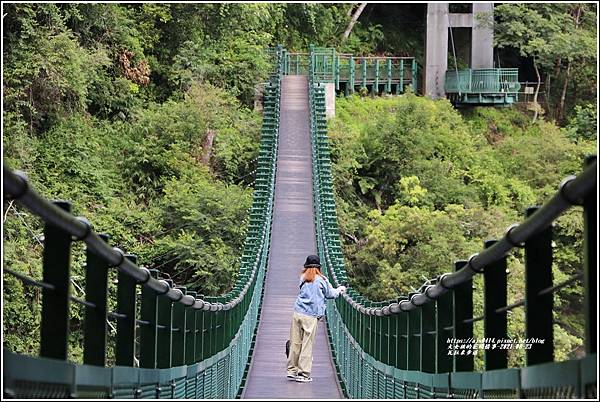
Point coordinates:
[[395, 75], [173, 343]]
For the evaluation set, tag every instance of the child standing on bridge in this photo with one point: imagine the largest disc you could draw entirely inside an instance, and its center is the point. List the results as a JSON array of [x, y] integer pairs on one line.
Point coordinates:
[[308, 309]]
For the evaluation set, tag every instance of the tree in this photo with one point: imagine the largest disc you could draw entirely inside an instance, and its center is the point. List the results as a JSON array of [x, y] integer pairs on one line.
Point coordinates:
[[526, 29], [556, 36], [575, 46], [355, 15]]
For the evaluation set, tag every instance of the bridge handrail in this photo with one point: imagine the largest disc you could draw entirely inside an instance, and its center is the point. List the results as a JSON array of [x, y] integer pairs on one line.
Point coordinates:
[[210, 338], [483, 80], [571, 191], [18, 188], [328, 65], [405, 341]]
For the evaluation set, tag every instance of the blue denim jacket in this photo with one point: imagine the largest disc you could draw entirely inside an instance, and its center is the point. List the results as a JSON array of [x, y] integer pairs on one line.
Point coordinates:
[[311, 300]]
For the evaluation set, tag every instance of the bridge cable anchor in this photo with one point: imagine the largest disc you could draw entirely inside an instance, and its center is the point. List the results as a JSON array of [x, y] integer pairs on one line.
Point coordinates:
[[88, 228], [24, 184], [508, 236], [121, 257], [441, 281], [562, 187], [472, 266]]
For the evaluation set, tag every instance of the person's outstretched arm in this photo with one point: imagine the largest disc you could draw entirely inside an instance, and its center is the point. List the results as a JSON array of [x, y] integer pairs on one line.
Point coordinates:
[[329, 292]]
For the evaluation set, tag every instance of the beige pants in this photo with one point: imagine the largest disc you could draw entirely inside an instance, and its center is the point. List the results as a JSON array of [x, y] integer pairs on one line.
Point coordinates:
[[302, 339]]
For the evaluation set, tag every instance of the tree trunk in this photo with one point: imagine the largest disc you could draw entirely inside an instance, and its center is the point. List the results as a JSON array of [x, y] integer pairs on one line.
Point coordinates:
[[548, 86], [557, 68], [207, 147], [537, 91], [353, 20], [561, 106]]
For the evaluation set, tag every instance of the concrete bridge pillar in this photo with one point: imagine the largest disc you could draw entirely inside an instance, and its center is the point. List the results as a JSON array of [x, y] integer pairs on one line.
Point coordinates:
[[482, 42], [439, 19], [436, 49]]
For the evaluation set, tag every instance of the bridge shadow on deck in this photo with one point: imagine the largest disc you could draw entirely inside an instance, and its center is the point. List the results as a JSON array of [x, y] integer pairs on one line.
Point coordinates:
[[292, 239]]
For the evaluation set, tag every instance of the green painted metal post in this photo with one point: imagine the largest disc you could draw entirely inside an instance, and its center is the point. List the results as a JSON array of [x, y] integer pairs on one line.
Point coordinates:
[[386, 337], [179, 335], [470, 88], [494, 325], [375, 337], [394, 340], [353, 321], [382, 336], [334, 64], [414, 339], [463, 310], [337, 72], [96, 286], [54, 328], [400, 87], [190, 330], [363, 67], [590, 247], [217, 333], [428, 340], [388, 86], [297, 64], [371, 335], [414, 75], [311, 63], [362, 326], [376, 85], [126, 305], [199, 353], [538, 309], [207, 347], [222, 331], [366, 337], [402, 352], [148, 332], [164, 337], [444, 319], [352, 74], [232, 323]]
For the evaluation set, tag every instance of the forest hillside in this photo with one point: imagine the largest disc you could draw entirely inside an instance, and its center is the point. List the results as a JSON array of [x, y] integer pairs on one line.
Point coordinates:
[[142, 116]]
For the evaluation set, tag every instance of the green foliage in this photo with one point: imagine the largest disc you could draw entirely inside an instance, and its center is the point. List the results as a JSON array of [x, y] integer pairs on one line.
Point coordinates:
[[168, 134], [363, 39], [202, 235], [418, 186], [584, 123], [144, 183], [137, 113], [302, 24], [560, 38], [408, 245]]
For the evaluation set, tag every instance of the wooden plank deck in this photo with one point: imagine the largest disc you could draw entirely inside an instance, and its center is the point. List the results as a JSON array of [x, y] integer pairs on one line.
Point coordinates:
[[292, 239]]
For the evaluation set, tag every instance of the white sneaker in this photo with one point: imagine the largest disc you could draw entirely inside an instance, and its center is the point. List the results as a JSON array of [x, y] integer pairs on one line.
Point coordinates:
[[291, 377], [301, 378]]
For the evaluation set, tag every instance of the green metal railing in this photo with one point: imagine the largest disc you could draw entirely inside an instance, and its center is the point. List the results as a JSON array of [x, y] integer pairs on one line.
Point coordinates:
[[399, 349], [350, 73], [488, 80], [498, 86], [199, 347], [187, 347]]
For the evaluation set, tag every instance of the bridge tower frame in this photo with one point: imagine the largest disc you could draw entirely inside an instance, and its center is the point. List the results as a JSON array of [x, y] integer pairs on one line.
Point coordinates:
[[439, 19]]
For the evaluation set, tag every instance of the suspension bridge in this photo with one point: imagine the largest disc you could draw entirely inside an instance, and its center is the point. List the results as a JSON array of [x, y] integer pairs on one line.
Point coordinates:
[[173, 343]]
